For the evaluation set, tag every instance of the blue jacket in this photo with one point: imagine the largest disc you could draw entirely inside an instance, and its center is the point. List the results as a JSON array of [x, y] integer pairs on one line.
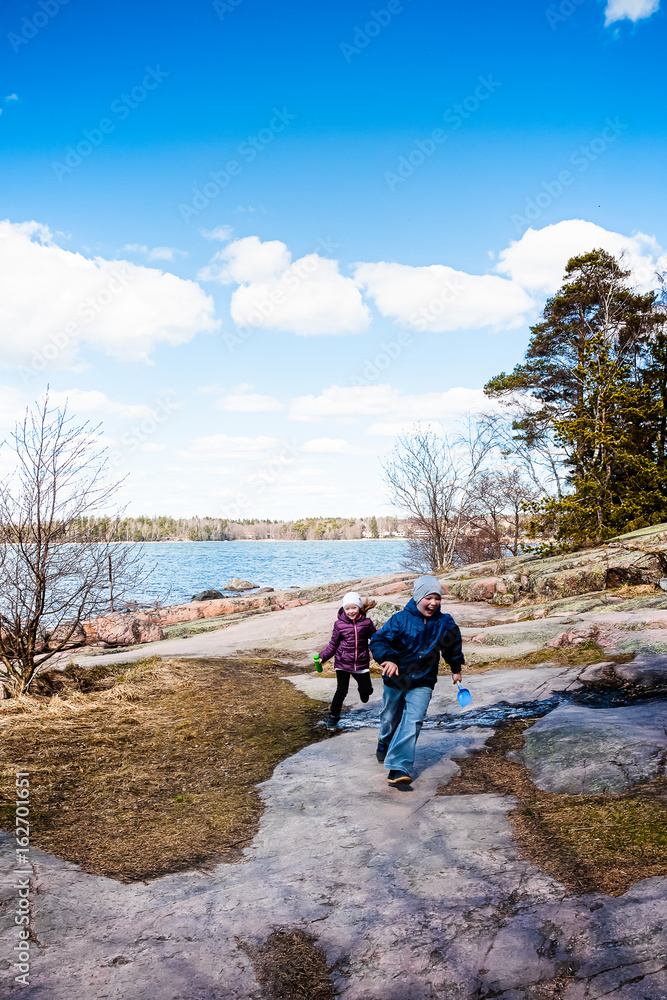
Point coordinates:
[[415, 644]]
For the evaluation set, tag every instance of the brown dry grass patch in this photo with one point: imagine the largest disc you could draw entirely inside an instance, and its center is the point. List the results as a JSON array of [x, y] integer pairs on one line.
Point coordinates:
[[291, 966], [569, 656], [591, 843], [145, 769]]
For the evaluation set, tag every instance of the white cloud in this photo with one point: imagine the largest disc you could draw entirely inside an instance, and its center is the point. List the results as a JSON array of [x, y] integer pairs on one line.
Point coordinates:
[[633, 10], [438, 298], [248, 402], [152, 446], [392, 429], [311, 296], [12, 406], [223, 446], [165, 253], [155, 253], [222, 233], [334, 446], [84, 402], [351, 402], [58, 299], [308, 296], [537, 261], [247, 260]]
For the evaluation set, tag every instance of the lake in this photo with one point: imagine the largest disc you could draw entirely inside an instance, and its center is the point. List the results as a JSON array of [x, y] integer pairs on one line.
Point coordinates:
[[181, 569]]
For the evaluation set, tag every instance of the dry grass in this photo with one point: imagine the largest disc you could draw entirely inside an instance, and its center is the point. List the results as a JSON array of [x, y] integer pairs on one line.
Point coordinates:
[[141, 770], [591, 843], [290, 966], [626, 592], [570, 656]]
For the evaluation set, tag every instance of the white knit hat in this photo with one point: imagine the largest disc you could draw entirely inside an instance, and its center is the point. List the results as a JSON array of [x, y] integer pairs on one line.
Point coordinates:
[[351, 598]]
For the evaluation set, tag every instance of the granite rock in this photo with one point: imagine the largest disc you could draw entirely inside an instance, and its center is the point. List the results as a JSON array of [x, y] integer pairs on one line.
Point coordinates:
[[581, 750]]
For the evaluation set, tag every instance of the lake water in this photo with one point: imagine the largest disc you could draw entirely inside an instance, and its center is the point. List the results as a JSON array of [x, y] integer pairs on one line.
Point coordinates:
[[184, 568]]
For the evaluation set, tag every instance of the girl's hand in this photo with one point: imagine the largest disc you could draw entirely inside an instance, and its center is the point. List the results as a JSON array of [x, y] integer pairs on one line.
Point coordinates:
[[389, 668], [456, 678]]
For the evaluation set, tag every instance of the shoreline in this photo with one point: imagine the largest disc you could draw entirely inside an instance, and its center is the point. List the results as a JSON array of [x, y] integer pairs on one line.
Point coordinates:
[[277, 541]]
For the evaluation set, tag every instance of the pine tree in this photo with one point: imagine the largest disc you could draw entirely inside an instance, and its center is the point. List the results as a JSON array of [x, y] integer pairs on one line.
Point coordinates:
[[597, 366]]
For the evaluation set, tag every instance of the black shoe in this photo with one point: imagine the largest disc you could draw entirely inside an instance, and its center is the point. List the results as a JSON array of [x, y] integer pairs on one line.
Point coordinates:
[[332, 723], [381, 751], [399, 778]]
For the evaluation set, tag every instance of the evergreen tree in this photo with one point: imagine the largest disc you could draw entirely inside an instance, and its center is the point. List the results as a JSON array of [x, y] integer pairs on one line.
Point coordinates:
[[597, 366]]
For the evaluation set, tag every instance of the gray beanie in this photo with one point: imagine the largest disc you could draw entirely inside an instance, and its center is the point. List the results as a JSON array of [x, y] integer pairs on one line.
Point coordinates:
[[424, 586]]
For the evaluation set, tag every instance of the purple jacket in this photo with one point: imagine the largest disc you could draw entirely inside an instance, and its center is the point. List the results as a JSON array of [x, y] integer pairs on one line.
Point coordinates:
[[349, 641]]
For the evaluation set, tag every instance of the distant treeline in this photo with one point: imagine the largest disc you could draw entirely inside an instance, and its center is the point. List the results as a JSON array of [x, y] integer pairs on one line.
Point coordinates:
[[215, 529]]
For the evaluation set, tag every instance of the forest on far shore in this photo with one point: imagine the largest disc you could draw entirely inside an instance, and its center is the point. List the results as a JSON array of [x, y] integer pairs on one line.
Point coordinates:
[[215, 529]]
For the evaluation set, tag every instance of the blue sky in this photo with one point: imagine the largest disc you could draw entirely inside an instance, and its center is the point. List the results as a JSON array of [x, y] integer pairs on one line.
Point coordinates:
[[269, 237]]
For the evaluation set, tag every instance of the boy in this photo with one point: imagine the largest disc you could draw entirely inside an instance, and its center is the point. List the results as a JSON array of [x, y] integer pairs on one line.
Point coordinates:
[[408, 649]]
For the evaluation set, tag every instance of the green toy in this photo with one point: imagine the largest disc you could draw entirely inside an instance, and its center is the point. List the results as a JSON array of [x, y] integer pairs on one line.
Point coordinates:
[[318, 662]]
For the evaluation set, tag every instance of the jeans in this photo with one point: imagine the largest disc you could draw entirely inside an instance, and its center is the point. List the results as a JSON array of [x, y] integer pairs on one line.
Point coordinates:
[[342, 686], [400, 722]]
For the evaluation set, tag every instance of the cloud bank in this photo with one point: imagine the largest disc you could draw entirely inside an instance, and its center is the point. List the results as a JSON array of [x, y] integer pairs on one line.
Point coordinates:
[[308, 296], [311, 296], [54, 300]]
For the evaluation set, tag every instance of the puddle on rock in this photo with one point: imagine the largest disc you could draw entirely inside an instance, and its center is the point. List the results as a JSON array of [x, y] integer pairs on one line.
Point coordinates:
[[494, 715]]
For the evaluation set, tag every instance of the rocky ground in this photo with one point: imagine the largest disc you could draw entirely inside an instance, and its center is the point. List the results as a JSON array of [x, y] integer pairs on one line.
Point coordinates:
[[410, 894]]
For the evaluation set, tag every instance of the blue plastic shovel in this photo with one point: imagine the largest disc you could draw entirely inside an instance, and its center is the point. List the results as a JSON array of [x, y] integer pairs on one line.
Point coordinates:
[[463, 696]]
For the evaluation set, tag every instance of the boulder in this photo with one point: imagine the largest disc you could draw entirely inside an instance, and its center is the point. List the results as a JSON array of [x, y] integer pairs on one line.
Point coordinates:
[[382, 612], [599, 675], [236, 584], [574, 637], [589, 751], [389, 588], [208, 595], [123, 630], [62, 632], [645, 671]]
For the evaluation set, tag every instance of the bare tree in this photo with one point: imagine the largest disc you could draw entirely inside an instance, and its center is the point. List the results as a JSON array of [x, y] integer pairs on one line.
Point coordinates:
[[501, 498], [525, 431], [430, 479], [50, 585]]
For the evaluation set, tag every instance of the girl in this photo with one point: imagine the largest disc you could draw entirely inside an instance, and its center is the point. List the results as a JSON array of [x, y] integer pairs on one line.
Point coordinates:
[[349, 642]]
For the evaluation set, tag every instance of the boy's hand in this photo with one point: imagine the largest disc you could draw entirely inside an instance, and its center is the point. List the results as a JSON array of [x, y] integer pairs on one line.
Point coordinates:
[[456, 678], [389, 668]]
